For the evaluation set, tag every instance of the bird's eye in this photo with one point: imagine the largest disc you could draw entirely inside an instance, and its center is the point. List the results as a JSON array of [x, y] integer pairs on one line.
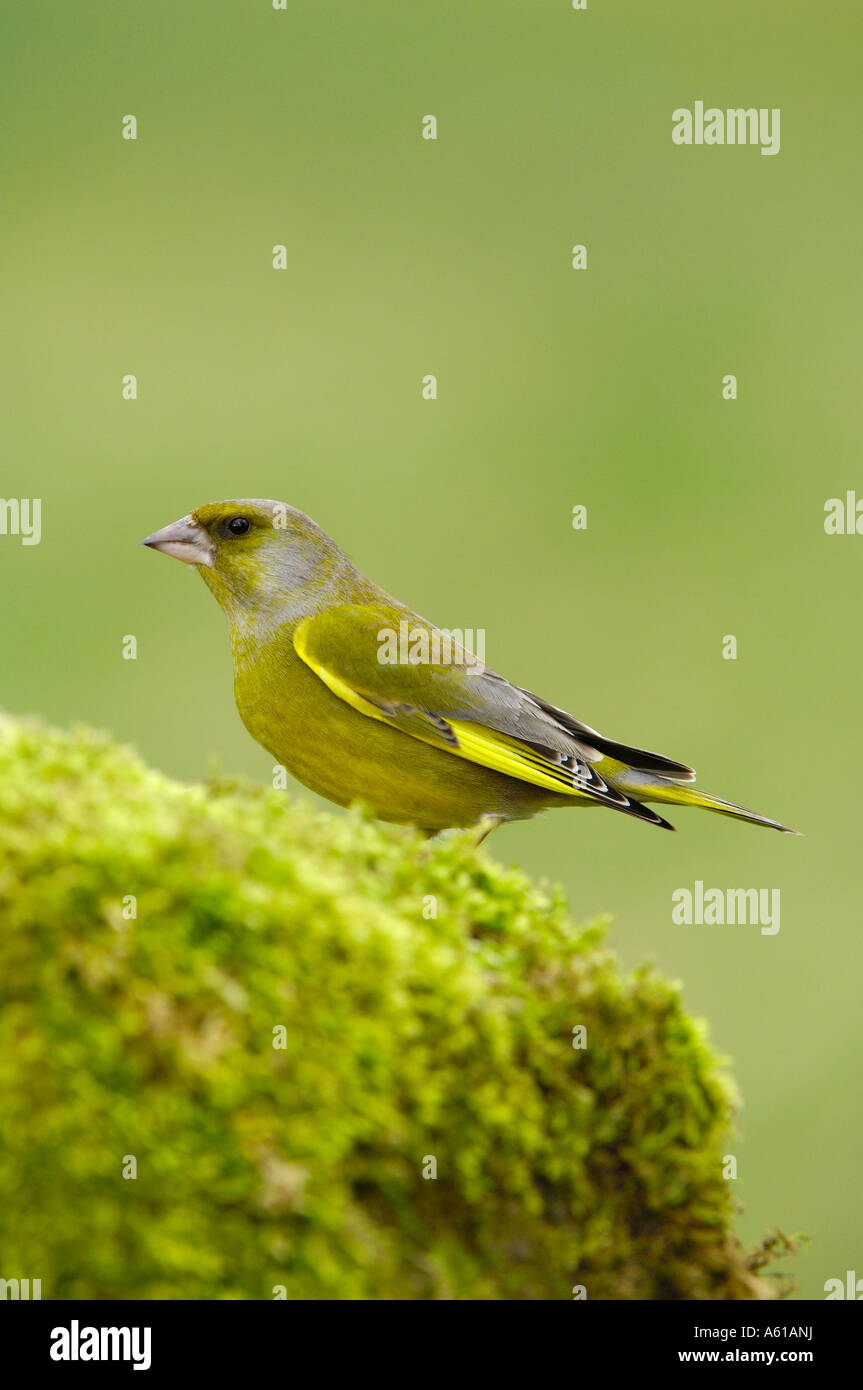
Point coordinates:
[[239, 525]]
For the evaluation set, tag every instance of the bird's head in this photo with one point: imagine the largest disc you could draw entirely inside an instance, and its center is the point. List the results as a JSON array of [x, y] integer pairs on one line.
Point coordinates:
[[259, 557]]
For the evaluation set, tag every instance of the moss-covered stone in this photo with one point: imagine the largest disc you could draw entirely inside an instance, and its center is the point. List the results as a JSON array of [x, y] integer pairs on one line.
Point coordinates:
[[407, 1037]]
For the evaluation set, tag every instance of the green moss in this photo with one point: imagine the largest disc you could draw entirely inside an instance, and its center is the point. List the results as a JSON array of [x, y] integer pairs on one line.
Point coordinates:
[[406, 1036]]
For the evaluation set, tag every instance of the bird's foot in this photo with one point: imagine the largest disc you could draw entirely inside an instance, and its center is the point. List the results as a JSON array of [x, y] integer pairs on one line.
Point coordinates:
[[485, 825]]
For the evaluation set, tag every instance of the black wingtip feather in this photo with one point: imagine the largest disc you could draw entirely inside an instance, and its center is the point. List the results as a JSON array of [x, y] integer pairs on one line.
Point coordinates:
[[643, 761], [638, 758], [635, 808]]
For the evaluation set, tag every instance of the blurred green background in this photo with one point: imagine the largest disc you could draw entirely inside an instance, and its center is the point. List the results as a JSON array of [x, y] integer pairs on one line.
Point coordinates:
[[556, 387]]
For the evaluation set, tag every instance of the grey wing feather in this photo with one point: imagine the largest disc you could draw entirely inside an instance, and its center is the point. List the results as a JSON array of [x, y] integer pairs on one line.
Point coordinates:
[[517, 712]]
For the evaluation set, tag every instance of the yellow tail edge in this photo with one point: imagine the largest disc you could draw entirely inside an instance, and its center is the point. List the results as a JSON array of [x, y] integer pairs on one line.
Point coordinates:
[[676, 795]]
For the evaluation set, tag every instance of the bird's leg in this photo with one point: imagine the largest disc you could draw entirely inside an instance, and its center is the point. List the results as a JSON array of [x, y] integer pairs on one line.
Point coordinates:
[[485, 825]]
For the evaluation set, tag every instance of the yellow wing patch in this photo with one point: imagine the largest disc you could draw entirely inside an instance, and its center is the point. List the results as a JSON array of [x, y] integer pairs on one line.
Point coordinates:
[[494, 750]]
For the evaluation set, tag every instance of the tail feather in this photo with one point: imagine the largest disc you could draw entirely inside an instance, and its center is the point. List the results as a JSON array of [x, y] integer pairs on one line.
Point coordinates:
[[690, 796]]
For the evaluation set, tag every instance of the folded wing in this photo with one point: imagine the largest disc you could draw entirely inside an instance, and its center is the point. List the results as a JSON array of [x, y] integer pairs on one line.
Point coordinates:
[[466, 710]]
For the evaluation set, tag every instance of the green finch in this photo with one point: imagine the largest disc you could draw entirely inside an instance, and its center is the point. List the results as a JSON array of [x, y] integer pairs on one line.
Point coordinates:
[[362, 700]]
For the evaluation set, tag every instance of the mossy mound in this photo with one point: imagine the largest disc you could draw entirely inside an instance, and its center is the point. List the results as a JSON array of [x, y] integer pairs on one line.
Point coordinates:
[[404, 1041]]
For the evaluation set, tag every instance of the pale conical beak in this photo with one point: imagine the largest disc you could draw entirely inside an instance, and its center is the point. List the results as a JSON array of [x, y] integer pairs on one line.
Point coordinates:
[[186, 541]]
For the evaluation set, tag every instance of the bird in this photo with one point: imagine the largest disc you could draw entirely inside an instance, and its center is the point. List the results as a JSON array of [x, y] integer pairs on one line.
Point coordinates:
[[420, 731]]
